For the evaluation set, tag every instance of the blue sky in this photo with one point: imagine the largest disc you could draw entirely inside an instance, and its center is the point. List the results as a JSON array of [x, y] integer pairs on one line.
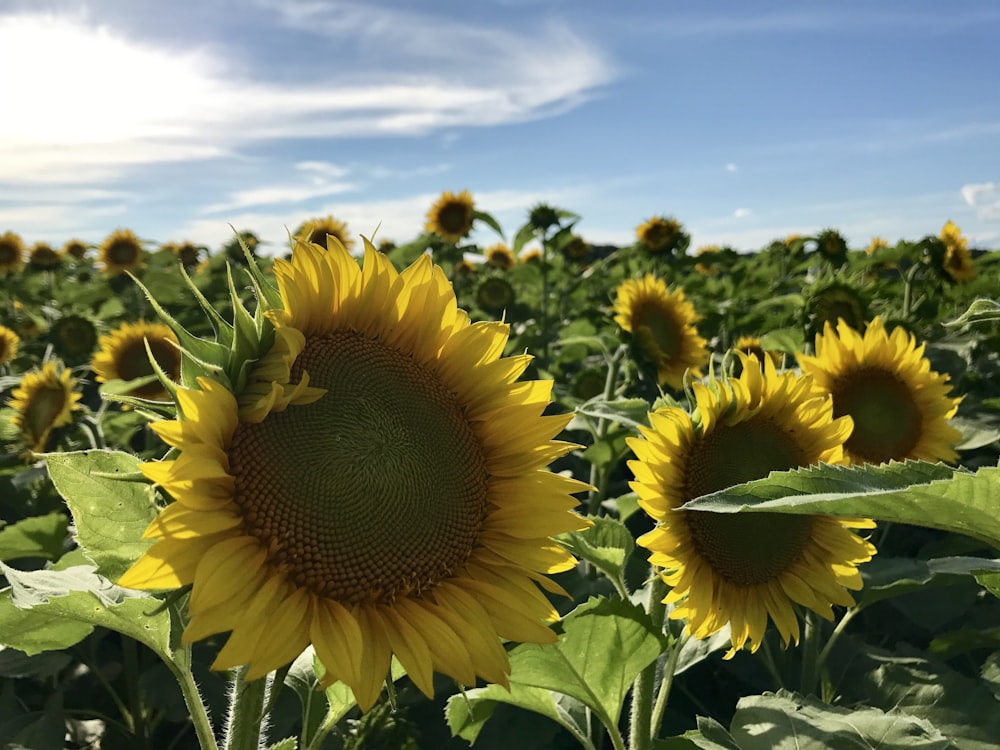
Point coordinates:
[[746, 121]]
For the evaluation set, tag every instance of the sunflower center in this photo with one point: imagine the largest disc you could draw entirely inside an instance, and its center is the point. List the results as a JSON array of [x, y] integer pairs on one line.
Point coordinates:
[[887, 421], [376, 490], [454, 218], [663, 330], [122, 252], [41, 413], [745, 548], [8, 254], [133, 362]]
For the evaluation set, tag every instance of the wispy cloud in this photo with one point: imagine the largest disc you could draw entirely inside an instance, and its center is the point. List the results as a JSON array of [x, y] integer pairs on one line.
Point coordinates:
[[985, 198], [732, 167], [741, 213]]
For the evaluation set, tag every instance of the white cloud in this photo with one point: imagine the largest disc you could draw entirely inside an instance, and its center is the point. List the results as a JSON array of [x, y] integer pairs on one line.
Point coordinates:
[[985, 198], [741, 213], [123, 103], [731, 167]]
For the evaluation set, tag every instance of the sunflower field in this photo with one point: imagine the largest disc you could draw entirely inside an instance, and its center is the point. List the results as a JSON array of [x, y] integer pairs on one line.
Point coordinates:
[[538, 493]]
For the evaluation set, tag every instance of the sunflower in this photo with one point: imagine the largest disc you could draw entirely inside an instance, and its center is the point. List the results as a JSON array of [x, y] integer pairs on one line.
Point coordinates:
[[877, 243], [123, 356], [707, 266], [188, 253], [500, 256], [318, 229], [42, 257], [494, 294], [742, 568], [76, 249], [74, 336], [8, 345], [11, 253], [534, 255], [377, 489], [900, 406], [957, 262], [44, 400], [465, 268], [831, 245], [660, 234], [662, 325], [832, 302], [752, 345], [450, 218], [121, 251], [576, 249]]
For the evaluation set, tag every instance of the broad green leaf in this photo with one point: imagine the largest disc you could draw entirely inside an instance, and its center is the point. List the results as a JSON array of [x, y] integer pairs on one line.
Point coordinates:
[[914, 492], [624, 505], [990, 673], [696, 650], [963, 708], [630, 412], [489, 221], [887, 577], [523, 236], [980, 311], [339, 697], [606, 545], [110, 514], [467, 714], [34, 631], [991, 582], [604, 645], [81, 596], [783, 340], [38, 536], [301, 677], [976, 433], [785, 721]]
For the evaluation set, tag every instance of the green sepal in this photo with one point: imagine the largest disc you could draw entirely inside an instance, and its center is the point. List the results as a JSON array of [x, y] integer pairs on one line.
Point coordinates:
[[223, 329]]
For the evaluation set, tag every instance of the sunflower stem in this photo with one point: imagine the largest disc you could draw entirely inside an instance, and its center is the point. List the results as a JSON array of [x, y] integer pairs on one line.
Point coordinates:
[[641, 717], [597, 474], [810, 654], [666, 682], [245, 722], [130, 660], [180, 666]]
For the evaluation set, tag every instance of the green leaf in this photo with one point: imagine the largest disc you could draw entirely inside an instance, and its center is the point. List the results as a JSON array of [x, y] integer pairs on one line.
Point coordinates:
[[110, 514], [80, 595], [38, 536], [604, 645], [289, 743], [34, 631], [975, 433], [606, 545], [788, 340], [631, 412], [887, 577], [991, 582], [785, 721], [963, 708], [467, 713], [980, 311], [624, 505], [489, 221], [914, 492], [523, 237]]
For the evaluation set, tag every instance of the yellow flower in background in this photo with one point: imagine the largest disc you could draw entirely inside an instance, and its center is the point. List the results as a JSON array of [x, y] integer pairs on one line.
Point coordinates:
[[500, 256], [76, 249], [378, 488], [8, 345], [121, 251], [188, 253], [707, 269], [44, 400], [900, 406], [659, 233], [450, 218], [752, 345], [957, 262], [318, 229], [43, 258], [11, 253], [662, 325], [122, 355], [534, 255], [742, 569], [877, 244]]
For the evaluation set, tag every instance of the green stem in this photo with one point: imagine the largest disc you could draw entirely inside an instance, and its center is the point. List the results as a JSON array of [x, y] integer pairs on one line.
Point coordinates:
[[770, 664], [810, 654], [130, 659], [544, 308], [180, 666], [597, 479], [908, 289], [245, 722], [640, 719], [835, 636], [666, 684]]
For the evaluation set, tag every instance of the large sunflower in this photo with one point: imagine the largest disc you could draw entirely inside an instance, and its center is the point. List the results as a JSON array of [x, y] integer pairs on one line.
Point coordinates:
[[742, 568], [122, 355], [11, 253], [318, 229], [377, 489], [9, 342], [900, 406], [660, 234], [44, 400], [42, 257], [662, 325], [121, 251], [450, 218]]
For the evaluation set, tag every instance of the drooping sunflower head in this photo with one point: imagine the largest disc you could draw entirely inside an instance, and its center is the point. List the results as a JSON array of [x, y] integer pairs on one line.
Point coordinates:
[[662, 324], [957, 261], [316, 230], [500, 256], [44, 400], [74, 337], [123, 356], [900, 406], [494, 294], [465, 268], [745, 568], [661, 234], [121, 251], [576, 249], [376, 487], [831, 245], [9, 342], [42, 257], [11, 253], [188, 253], [451, 216], [75, 249], [830, 302]]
